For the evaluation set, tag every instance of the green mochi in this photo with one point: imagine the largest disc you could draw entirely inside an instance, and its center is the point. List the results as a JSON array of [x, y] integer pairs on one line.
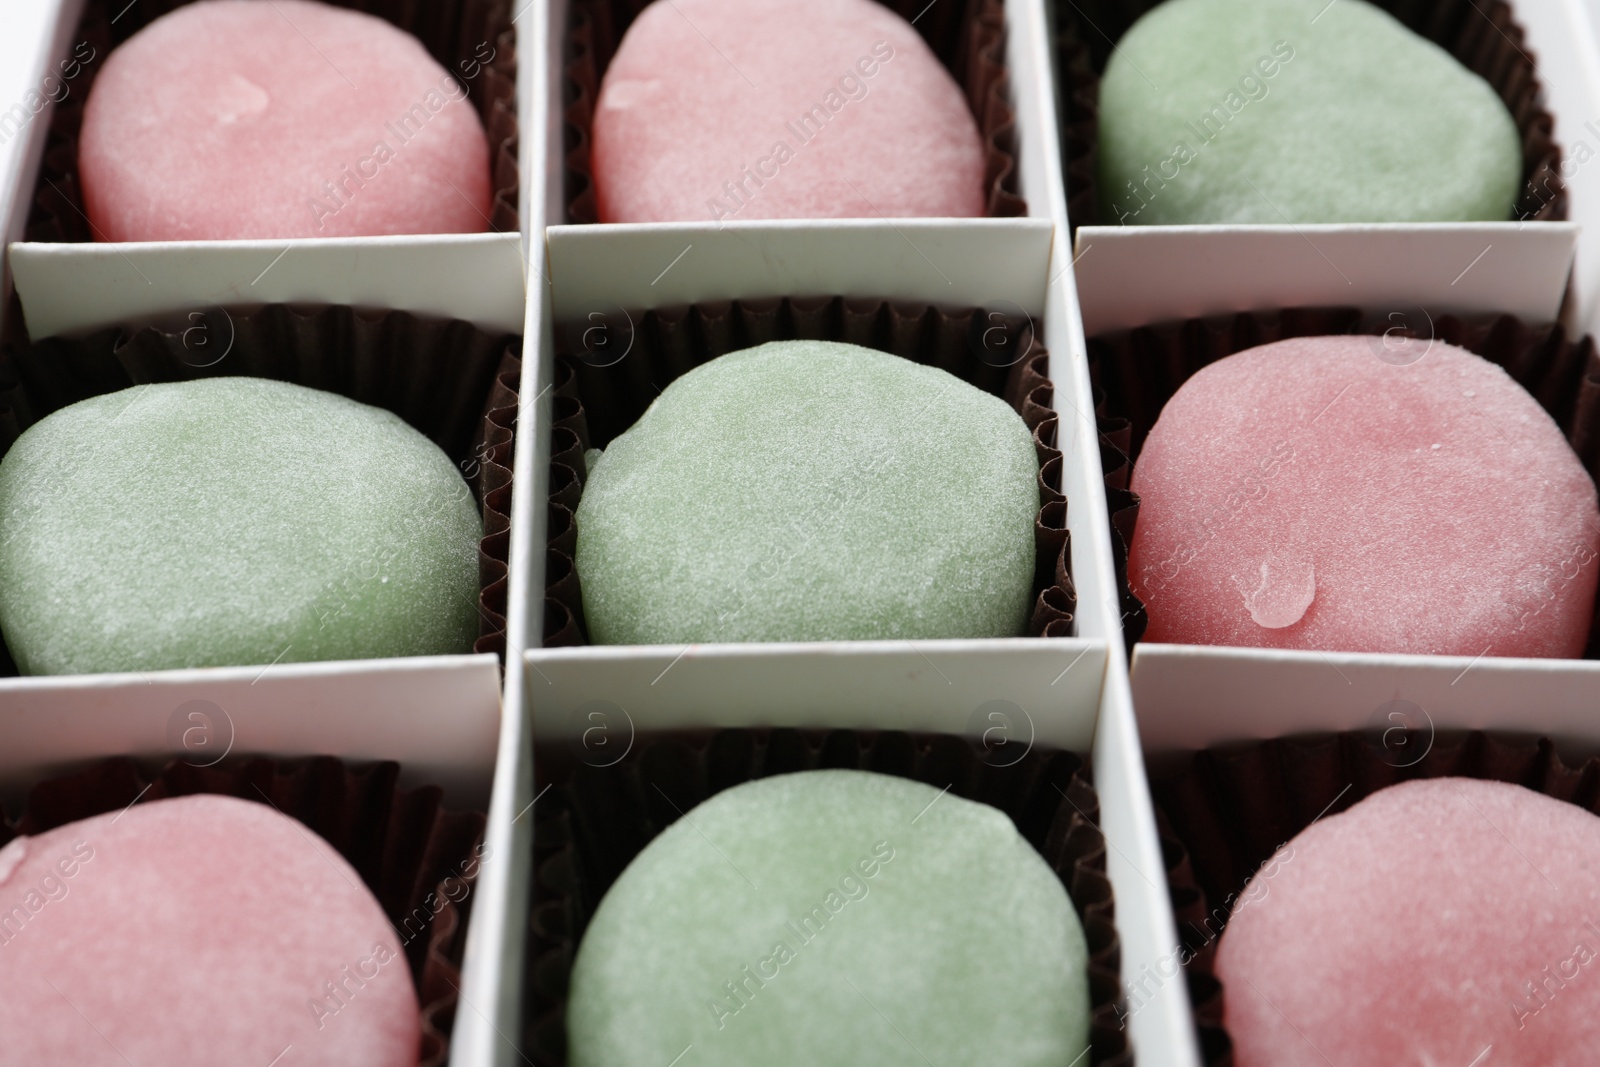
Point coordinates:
[[810, 490], [833, 917], [1297, 111], [231, 521]]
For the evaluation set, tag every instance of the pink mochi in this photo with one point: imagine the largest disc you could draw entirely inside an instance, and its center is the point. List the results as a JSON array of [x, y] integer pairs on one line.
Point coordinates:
[[1431, 923], [233, 119], [1364, 495], [779, 109], [196, 930]]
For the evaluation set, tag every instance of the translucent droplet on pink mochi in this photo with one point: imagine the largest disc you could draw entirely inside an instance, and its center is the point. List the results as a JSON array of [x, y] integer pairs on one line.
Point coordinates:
[[773, 109], [1429, 922], [1279, 594], [1402, 495], [229, 119]]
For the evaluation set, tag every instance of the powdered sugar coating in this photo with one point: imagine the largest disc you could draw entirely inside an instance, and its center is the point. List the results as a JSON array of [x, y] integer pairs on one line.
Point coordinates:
[[821, 109], [1431, 921], [243, 119], [1424, 501], [199, 929], [891, 902], [231, 521], [811, 490]]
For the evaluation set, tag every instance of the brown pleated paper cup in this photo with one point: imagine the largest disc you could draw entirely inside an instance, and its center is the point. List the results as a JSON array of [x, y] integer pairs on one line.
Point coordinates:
[[595, 820], [1135, 372], [1224, 812], [417, 858], [598, 396], [1484, 37], [449, 380]]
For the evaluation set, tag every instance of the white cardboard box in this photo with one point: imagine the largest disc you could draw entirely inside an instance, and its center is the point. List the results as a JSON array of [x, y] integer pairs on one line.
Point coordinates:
[[1228, 696], [72, 289], [1521, 268], [1188, 697], [860, 681], [962, 263], [54, 286], [439, 716], [475, 277], [1218, 269]]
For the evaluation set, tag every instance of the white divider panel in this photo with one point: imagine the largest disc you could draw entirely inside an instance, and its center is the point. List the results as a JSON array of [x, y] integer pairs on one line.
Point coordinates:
[[1193, 696], [1134, 275], [438, 715], [949, 262], [1049, 688], [474, 277]]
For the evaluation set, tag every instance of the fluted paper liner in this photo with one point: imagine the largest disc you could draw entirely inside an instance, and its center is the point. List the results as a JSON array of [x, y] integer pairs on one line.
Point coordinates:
[[449, 380], [472, 39], [1484, 37], [402, 842], [1228, 810], [1135, 373], [594, 404], [969, 38], [594, 821]]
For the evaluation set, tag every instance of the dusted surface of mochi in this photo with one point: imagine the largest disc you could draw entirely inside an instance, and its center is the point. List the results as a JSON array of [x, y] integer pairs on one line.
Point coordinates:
[[867, 918], [198, 929], [815, 109], [1267, 111], [228, 119], [811, 491], [1408, 929], [1330, 493], [231, 521]]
